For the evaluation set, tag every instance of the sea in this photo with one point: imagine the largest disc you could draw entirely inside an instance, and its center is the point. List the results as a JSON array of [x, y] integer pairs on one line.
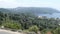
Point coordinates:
[[53, 15]]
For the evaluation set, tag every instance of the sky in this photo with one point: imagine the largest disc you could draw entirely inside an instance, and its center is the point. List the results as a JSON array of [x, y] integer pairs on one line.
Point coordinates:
[[30, 3]]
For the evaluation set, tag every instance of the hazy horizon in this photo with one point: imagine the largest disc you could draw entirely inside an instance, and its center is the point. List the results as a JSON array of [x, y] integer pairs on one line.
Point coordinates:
[[30, 3]]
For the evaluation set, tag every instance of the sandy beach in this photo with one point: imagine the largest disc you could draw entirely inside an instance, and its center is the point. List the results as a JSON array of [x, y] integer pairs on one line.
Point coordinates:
[[2, 31]]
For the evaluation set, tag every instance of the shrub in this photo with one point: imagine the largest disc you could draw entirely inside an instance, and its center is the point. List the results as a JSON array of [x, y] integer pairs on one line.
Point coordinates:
[[12, 25], [57, 31], [34, 28]]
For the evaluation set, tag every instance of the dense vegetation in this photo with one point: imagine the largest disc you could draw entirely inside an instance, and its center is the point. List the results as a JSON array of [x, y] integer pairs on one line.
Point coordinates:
[[30, 22]]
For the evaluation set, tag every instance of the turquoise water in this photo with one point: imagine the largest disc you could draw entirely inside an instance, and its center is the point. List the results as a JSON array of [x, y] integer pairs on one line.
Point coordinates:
[[54, 15]]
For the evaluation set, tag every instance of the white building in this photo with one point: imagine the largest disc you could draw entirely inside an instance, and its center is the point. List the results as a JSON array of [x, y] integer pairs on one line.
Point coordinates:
[[39, 16]]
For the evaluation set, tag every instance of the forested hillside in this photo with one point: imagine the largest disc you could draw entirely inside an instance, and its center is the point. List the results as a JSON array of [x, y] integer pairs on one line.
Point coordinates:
[[27, 21], [35, 10]]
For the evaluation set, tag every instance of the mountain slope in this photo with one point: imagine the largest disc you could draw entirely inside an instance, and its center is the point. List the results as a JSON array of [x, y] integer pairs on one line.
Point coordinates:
[[36, 10], [33, 10]]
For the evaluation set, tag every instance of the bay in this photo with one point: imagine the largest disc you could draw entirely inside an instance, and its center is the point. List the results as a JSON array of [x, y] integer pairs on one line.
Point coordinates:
[[54, 15]]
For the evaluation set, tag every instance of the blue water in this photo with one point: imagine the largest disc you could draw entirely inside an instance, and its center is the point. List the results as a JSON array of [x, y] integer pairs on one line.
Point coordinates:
[[54, 15]]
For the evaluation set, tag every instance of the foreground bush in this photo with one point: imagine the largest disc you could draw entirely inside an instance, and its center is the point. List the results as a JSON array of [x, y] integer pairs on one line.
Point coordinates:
[[57, 31], [34, 29], [12, 25]]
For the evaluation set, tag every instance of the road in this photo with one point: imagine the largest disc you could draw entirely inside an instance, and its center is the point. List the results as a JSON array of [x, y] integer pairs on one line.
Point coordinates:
[[5, 33], [8, 32]]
